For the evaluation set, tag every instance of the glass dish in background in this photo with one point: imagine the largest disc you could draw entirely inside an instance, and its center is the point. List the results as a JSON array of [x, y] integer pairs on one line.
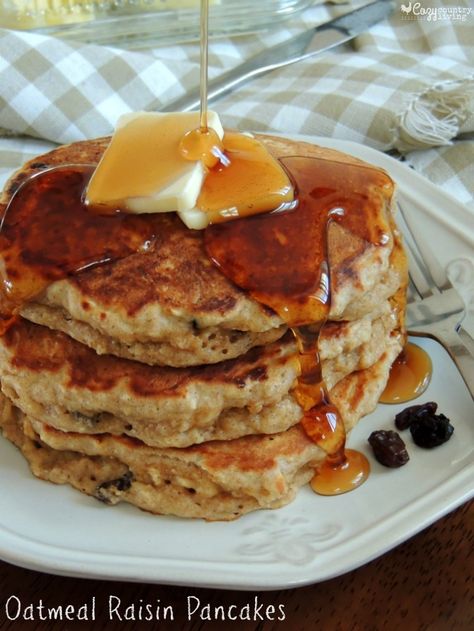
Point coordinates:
[[141, 23]]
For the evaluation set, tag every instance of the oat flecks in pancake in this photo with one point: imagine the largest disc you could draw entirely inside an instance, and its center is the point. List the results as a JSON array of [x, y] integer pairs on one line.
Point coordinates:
[[172, 306], [189, 483], [216, 480], [54, 378], [358, 394]]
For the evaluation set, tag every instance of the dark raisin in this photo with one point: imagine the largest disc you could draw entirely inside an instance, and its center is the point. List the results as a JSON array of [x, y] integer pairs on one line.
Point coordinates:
[[404, 418], [389, 448], [431, 430], [109, 492]]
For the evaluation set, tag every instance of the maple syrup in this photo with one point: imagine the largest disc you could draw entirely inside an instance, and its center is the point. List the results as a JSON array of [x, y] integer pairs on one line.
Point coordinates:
[[48, 233], [243, 179], [343, 469], [334, 477], [202, 143], [249, 181], [282, 260], [143, 157], [409, 377]]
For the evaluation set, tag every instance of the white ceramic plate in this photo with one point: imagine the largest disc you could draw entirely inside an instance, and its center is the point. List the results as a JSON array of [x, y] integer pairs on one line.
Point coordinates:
[[58, 530]]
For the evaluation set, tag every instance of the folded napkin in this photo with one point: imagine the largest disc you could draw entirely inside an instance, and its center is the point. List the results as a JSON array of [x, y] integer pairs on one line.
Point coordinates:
[[406, 85]]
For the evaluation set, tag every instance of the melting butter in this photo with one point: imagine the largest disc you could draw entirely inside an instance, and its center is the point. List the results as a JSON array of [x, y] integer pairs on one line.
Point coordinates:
[[168, 163], [143, 170]]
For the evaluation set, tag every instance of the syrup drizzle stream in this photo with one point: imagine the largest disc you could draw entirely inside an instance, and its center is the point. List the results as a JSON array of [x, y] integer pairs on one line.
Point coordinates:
[[204, 24], [203, 143], [243, 179], [282, 260]]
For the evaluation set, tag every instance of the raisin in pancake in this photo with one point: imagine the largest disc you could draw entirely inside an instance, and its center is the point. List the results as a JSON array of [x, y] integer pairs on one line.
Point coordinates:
[[56, 379], [172, 306], [218, 480], [215, 481]]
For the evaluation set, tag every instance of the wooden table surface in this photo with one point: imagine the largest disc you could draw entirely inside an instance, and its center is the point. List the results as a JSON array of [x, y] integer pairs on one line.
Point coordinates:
[[424, 584]]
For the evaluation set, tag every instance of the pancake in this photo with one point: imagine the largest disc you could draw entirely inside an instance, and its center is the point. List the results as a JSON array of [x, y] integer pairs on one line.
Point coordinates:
[[218, 480], [156, 381], [172, 306], [54, 378], [357, 395]]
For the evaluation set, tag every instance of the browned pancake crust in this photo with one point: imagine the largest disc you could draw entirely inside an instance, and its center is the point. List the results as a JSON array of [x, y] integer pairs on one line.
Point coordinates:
[[215, 481], [178, 273], [38, 349], [55, 379], [172, 306]]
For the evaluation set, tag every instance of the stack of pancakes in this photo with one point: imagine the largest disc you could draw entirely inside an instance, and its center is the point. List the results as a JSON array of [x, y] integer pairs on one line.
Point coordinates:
[[154, 380]]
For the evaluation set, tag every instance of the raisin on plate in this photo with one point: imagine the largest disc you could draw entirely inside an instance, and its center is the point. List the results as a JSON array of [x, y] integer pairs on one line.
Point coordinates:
[[388, 448], [427, 428], [404, 419], [431, 430]]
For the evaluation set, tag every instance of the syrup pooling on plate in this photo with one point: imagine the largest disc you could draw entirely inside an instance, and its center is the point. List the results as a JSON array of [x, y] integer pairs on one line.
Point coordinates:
[[48, 233], [336, 476], [282, 260], [409, 376]]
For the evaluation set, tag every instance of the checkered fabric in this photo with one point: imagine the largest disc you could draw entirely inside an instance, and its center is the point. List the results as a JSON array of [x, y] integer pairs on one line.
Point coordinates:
[[407, 85]]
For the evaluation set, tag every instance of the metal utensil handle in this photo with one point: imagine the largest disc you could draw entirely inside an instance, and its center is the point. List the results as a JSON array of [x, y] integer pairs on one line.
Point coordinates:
[[307, 44]]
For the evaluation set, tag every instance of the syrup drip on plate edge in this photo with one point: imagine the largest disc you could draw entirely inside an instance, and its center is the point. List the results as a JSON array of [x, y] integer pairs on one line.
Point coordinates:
[[409, 376]]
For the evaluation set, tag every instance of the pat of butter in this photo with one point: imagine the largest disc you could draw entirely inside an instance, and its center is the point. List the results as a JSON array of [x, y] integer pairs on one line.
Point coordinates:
[[142, 169], [194, 218]]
